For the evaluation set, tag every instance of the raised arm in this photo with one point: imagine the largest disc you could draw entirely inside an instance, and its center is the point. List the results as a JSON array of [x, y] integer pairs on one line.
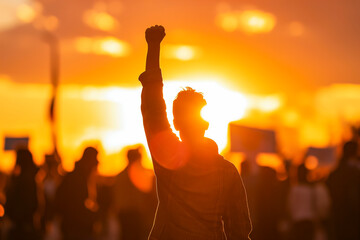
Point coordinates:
[[154, 35], [164, 145]]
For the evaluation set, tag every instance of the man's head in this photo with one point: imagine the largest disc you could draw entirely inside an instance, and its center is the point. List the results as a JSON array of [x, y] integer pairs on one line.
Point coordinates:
[[187, 114]]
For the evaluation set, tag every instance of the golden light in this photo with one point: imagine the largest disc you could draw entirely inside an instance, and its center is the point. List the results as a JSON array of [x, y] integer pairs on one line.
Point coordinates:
[[341, 99], [236, 158], [249, 21], [115, 47], [270, 160], [4, 79], [185, 53], [99, 20], [112, 137], [102, 46], [314, 133], [270, 103], [26, 13], [290, 118], [311, 162], [110, 117], [256, 21], [181, 52]]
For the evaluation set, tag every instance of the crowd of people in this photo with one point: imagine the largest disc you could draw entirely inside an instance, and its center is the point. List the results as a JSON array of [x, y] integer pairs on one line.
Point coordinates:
[[43, 204], [301, 207]]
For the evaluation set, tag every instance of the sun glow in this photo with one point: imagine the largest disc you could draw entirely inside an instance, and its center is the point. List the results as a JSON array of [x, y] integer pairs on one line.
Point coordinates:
[[223, 105], [110, 118]]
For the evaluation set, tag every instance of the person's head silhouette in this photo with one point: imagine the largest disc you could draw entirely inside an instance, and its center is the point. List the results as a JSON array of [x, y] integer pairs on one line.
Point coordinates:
[[187, 108], [133, 155], [88, 161], [24, 163], [350, 150]]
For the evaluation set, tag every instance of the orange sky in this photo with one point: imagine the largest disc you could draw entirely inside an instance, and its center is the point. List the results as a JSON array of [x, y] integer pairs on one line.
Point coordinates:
[[312, 43], [303, 53]]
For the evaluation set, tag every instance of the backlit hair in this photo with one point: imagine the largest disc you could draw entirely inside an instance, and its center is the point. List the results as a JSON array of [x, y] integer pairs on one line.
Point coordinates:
[[188, 101]]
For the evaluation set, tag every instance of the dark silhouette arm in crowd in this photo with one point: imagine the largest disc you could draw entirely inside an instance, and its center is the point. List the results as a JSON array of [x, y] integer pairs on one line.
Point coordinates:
[[164, 145]]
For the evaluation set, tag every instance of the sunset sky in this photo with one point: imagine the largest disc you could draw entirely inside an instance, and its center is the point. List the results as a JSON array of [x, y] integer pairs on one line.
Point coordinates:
[[312, 43], [296, 62]]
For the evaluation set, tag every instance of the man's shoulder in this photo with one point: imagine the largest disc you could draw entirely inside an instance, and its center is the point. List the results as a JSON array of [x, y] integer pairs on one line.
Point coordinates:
[[228, 167]]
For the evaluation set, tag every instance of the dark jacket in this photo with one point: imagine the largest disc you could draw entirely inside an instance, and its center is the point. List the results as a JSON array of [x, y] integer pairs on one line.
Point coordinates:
[[201, 195]]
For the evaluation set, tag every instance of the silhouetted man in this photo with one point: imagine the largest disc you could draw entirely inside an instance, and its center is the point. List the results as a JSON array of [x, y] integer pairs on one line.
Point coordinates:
[[135, 207], [22, 202], [201, 195], [344, 187], [77, 217]]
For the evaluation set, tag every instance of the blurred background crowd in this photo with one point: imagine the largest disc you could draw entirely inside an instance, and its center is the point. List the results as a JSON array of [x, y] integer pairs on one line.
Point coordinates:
[[310, 200], [281, 80]]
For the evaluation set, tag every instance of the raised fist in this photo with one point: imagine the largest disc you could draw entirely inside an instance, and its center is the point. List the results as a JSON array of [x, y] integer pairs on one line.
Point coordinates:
[[155, 34]]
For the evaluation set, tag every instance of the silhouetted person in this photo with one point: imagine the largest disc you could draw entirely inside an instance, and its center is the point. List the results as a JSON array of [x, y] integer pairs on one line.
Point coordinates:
[[201, 195], [344, 187], [105, 199], [75, 208], [22, 202], [268, 205], [135, 207]]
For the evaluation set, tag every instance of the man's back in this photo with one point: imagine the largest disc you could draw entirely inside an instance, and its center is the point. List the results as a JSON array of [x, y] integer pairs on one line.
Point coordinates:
[[200, 194], [194, 199]]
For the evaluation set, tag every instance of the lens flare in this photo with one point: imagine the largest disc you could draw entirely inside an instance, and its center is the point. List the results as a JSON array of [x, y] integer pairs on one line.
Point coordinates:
[[99, 20], [181, 52], [102, 46], [255, 21], [26, 13], [248, 21]]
